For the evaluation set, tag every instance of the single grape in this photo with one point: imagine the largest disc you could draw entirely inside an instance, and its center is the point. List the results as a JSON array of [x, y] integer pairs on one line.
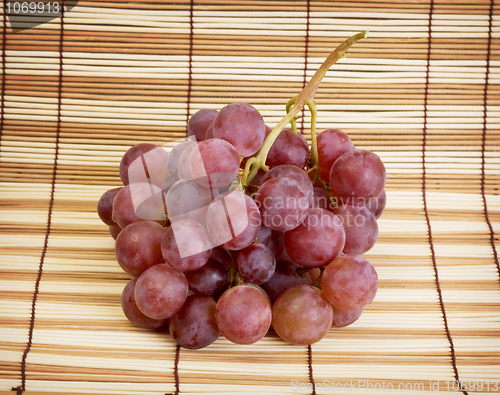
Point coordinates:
[[302, 315], [282, 203], [132, 312], [233, 220], [285, 276], [214, 163], [241, 125], [174, 157], [187, 199], [349, 282], [357, 176], [222, 256], [160, 291], [138, 247], [212, 279], [141, 163], [139, 202], [377, 205], [361, 229], [114, 231], [331, 144], [105, 206], [256, 264], [321, 199], [186, 245], [210, 132], [343, 318], [295, 174], [199, 123], [243, 314], [272, 239], [289, 148], [194, 325], [318, 240]]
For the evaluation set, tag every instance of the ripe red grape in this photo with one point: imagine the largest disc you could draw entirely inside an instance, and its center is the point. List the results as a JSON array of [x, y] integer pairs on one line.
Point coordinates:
[[160, 291], [212, 279], [282, 203], [321, 199], [241, 125], [105, 206], [138, 247], [134, 152], [194, 325], [357, 176], [289, 148], [139, 202], [233, 220], [214, 163], [377, 205], [361, 229], [174, 157], [318, 240], [331, 144], [186, 245], [256, 264], [294, 173], [199, 123], [285, 276], [243, 314], [343, 318], [132, 312], [349, 282], [302, 315], [114, 231]]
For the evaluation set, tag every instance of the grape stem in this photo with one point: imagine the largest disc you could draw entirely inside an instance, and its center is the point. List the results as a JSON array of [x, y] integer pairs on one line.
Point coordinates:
[[305, 97]]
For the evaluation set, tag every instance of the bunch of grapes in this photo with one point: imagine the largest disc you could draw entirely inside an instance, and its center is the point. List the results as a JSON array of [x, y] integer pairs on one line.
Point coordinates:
[[241, 227]]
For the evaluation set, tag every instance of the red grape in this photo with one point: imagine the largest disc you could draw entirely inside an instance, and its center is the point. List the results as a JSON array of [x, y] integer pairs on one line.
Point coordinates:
[[114, 231], [132, 312], [161, 291], [199, 123], [194, 325], [318, 240], [294, 173], [174, 158], [212, 279], [241, 125], [321, 199], [138, 246], [331, 144], [134, 152], [302, 315], [349, 282], [289, 148], [285, 276], [361, 229], [186, 245], [343, 318], [243, 314], [377, 205], [256, 264], [105, 206]]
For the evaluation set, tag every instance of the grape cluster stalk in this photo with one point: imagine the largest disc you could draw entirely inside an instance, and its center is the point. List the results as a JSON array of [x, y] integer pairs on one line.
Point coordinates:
[[242, 227]]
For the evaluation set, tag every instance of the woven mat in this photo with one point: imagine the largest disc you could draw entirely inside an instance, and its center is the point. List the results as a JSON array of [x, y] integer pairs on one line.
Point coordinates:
[[422, 91]]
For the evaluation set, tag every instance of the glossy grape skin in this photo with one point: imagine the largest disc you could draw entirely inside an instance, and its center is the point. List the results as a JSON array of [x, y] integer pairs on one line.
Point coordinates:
[[349, 282], [141, 163], [160, 291], [289, 148], [187, 199], [295, 174], [285, 276], [302, 315], [241, 125], [243, 314], [318, 240], [282, 203], [331, 144], [214, 163], [174, 157], [132, 312], [194, 325], [212, 279], [138, 247], [240, 226], [256, 264], [139, 202], [105, 206], [361, 228], [377, 205], [199, 122], [358, 175], [186, 245], [343, 318]]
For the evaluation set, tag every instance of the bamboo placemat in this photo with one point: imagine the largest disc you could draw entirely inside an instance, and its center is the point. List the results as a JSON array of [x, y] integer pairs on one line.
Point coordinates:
[[422, 91]]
